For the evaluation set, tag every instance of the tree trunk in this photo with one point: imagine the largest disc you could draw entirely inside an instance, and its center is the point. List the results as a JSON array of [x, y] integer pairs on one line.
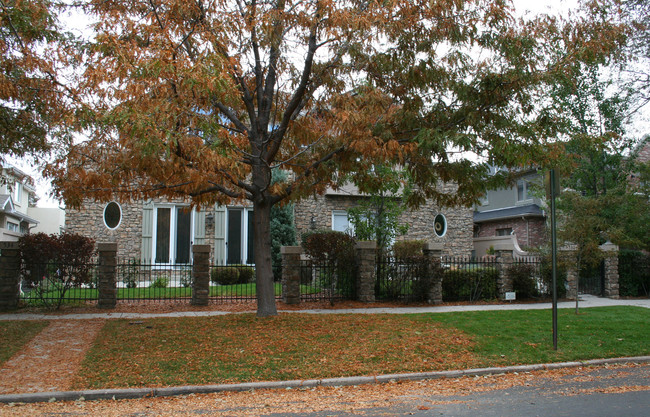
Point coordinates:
[[262, 246]]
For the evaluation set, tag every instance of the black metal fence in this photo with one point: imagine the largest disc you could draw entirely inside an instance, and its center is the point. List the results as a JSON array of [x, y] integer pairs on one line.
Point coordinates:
[[144, 281], [326, 281], [634, 273], [52, 284], [232, 283]]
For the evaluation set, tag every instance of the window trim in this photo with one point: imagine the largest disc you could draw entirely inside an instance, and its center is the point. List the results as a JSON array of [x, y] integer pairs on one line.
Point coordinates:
[[15, 229], [349, 229], [173, 220], [119, 222], [527, 198], [246, 212], [446, 225]]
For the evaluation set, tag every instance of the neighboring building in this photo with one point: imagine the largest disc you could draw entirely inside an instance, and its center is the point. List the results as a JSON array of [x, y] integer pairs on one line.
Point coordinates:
[[18, 211], [512, 211], [162, 232], [16, 191]]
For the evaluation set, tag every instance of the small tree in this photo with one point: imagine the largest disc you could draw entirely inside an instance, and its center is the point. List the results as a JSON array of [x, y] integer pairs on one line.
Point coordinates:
[[283, 228], [377, 216], [53, 264]]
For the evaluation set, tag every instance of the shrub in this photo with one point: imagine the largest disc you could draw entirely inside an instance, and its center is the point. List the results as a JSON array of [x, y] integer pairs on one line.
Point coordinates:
[[224, 275], [406, 249], [160, 282], [329, 245], [56, 262], [246, 274], [470, 285], [523, 280]]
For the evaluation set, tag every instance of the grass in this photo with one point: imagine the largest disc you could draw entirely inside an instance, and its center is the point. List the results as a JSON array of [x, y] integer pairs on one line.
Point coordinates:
[[239, 348], [15, 334]]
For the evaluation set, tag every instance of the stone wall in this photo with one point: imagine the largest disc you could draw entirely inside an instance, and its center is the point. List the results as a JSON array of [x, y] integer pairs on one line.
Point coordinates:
[[89, 221], [456, 242], [530, 232]]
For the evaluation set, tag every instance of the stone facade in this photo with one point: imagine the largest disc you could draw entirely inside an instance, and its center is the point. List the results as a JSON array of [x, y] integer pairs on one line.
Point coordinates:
[[316, 213], [530, 232], [89, 221]]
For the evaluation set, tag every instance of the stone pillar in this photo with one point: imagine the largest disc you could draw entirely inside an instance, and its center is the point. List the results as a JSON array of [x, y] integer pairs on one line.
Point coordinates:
[[611, 269], [291, 274], [569, 258], [107, 270], [200, 275], [433, 253], [504, 282], [9, 275], [366, 258]]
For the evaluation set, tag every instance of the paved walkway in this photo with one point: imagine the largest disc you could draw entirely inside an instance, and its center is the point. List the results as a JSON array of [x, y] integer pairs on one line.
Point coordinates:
[[585, 301]]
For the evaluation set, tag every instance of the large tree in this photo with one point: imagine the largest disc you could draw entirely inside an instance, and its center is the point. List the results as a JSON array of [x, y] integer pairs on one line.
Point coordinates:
[[202, 99], [31, 95]]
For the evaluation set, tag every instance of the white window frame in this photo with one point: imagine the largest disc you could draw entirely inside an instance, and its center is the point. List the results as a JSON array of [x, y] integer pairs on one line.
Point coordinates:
[[13, 227], [104, 215], [246, 211], [172, 231], [18, 193]]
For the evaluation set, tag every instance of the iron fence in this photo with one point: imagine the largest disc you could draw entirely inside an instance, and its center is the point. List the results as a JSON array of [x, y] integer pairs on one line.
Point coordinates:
[[53, 284], [326, 281], [145, 281], [231, 283]]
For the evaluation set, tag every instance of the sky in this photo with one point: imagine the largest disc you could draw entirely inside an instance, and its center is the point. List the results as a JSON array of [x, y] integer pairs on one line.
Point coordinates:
[[78, 24]]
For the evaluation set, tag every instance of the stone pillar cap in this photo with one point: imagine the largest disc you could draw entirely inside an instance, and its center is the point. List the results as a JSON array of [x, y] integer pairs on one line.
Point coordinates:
[[291, 250]]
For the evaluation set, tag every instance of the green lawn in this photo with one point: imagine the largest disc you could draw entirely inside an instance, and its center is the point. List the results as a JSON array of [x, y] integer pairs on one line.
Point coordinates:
[[238, 348], [15, 334]]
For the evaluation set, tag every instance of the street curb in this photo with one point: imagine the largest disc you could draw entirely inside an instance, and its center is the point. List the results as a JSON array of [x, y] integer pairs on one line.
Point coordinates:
[[134, 393]]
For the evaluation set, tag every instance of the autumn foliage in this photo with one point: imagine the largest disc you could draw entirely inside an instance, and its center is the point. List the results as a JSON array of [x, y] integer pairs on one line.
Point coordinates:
[[202, 100]]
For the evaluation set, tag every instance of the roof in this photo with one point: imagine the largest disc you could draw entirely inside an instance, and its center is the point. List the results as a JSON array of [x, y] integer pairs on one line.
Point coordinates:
[[7, 207], [530, 210]]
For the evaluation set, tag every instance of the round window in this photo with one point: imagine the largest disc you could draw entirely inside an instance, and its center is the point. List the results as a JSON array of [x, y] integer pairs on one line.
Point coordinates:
[[112, 215], [440, 225]]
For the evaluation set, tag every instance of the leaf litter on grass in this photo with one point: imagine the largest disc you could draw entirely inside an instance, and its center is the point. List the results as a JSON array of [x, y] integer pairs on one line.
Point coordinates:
[[244, 348]]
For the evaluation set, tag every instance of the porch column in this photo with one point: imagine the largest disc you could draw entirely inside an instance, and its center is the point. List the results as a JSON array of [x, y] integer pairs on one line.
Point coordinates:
[[107, 269], [291, 274], [201, 275]]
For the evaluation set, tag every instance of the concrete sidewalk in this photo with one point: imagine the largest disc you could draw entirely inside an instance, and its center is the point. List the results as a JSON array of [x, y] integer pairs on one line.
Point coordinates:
[[585, 301]]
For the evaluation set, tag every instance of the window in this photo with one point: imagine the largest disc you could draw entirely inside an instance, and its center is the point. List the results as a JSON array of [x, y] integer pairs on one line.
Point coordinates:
[[522, 190], [239, 241], [440, 225], [341, 222], [172, 234], [112, 215], [12, 227], [18, 193], [506, 231]]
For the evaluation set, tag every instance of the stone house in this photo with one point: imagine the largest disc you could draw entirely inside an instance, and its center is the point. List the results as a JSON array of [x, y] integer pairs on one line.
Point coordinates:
[[161, 231]]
